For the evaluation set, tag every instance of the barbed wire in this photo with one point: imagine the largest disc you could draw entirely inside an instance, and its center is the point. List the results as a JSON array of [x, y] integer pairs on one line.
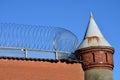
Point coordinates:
[[37, 37]]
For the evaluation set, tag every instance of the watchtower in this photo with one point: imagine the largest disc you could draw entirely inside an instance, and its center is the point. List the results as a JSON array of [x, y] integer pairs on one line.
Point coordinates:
[[96, 53]]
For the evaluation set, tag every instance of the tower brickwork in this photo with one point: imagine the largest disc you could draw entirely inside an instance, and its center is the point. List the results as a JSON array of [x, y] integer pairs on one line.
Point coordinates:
[[96, 54]]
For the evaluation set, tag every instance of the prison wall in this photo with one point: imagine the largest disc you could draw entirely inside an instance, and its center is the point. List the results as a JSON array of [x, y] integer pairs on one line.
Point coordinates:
[[15, 69]]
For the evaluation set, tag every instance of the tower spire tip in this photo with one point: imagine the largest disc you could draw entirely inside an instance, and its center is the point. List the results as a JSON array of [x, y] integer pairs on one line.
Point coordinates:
[[91, 14]]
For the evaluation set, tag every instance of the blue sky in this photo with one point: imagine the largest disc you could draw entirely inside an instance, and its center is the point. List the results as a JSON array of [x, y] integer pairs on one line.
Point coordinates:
[[70, 14]]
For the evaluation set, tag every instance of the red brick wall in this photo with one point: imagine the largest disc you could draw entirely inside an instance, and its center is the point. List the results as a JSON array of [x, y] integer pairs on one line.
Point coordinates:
[[39, 70]]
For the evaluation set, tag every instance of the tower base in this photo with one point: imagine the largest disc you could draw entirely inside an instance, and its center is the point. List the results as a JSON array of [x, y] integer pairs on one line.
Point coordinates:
[[98, 74]]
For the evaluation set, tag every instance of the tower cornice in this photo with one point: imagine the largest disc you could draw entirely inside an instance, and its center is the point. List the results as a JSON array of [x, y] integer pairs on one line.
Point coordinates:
[[96, 48]]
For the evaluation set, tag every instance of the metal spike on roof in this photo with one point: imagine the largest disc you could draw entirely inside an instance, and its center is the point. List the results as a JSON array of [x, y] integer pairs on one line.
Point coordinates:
[[93, 35]]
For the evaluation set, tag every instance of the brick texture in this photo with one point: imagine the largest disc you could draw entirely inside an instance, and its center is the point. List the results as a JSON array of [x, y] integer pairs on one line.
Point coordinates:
[[96, 57], [39, 70]]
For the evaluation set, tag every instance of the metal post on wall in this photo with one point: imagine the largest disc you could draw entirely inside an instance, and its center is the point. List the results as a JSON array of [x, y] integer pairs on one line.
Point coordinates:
[[55, 50], [56, 54], [25, 52]]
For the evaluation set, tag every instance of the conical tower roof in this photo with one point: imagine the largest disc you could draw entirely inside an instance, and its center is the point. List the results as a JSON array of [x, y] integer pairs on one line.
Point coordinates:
[[93, 36]]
